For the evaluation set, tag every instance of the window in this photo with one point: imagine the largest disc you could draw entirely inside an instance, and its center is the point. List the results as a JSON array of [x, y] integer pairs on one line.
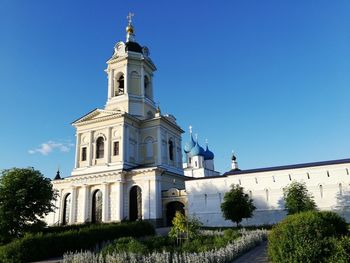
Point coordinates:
[[189, 159], [290, 177], [321, 191], [171, 150], [83, 154], [256, 180], [66, 209], [97, 207], [115, 148], [267, 194], [340, 189], [120, 89], [308, 175], [273, 179], [100, 148], [147, 87]]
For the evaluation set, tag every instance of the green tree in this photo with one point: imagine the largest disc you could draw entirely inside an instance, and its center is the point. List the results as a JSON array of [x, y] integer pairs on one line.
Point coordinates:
[[237, 205], [184, 227], [25, 198], [297, 198]]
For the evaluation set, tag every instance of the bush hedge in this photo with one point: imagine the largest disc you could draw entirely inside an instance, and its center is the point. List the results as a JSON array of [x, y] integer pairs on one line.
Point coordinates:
[[43, 246], [307, 237]]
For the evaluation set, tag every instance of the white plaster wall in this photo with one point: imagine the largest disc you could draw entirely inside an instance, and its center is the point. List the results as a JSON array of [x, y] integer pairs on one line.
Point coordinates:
[[266, 188]]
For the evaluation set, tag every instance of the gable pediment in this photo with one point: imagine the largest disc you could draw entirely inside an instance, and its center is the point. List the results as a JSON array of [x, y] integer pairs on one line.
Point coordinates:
[[97, 115]]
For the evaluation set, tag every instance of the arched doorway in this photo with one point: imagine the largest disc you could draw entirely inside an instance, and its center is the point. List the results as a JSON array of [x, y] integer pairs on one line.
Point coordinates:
[[66, 209], [171, 209], [96, 207], [135, 207]]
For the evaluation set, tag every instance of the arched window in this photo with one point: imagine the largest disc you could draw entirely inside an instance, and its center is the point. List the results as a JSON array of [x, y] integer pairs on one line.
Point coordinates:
[[171, 150], [321, 191], [120, 89], [147, 87], [135, 203], [97, 207], [66, 209], [100, 148]]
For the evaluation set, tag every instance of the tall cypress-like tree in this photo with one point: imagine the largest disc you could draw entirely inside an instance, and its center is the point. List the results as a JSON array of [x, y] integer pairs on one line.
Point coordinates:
[[237, 205], [25, 198]]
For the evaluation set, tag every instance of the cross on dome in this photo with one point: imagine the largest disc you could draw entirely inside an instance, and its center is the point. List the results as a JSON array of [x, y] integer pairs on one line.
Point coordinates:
[[129, 17]]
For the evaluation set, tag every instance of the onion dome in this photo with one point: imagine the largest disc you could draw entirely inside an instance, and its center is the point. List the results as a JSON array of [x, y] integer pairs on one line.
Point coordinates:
[[197, 150], [208, 155], [233, 157], [58, 177], [189, 145]]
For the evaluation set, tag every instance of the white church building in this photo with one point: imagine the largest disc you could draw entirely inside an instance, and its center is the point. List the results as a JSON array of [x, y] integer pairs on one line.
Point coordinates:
[[129, 162]]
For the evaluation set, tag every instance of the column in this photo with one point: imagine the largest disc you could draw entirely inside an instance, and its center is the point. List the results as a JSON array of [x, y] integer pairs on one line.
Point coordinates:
[[142, 82], [109, 144], [110, 83], [72, 214], [60, 208], [77, 146], [159, 146], [105, 203], [120, 195], [86, 192], [91, 139]]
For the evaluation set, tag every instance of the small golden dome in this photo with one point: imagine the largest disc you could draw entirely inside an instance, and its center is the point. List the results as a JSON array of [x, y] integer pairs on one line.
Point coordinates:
[[129, 29]]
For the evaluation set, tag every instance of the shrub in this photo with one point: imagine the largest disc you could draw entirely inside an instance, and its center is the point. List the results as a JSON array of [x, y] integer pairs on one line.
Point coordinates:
[[248, 240], [43, 246], [184, 227], [125, 244], [305, 237]]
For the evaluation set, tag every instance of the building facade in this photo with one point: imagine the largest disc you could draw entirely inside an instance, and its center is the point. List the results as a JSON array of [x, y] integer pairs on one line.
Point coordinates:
[[127, 154], [129, 163]]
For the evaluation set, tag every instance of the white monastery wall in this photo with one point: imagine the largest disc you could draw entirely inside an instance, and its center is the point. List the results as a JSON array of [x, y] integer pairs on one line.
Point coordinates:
[[329, 184]]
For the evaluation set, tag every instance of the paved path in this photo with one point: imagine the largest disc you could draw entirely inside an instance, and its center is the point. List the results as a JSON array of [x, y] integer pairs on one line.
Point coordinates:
[[256, 255]]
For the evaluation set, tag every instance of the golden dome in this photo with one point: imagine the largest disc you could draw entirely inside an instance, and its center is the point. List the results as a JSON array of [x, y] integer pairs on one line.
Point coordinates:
[[129, 29]]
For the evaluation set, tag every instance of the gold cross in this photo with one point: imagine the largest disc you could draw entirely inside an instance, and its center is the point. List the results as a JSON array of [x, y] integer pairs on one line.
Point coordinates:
[[129, 17]]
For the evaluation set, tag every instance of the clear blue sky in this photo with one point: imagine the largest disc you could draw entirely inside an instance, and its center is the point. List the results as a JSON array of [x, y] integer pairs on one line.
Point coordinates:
[[269, 79]]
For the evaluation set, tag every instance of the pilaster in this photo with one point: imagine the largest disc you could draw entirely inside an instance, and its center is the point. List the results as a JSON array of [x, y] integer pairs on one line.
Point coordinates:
[[86, 192], [120, 194], [72, 215], [105, 207]]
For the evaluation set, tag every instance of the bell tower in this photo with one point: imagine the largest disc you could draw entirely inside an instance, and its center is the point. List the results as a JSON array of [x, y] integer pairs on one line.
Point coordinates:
[[130, 77]]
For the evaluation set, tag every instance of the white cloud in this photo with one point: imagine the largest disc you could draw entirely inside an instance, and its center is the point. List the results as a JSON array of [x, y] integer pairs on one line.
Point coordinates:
[[50, 146]]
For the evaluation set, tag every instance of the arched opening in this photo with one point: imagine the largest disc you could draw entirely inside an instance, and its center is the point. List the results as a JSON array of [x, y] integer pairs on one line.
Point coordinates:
[[171, 210], [100, 148], [121, 85], [135, 207], [96, 207], [171, 150], [147, 87], [66, 209]]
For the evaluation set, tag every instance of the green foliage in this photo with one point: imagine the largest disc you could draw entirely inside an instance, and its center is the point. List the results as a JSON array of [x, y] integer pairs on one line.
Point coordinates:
[[42, 246], [237, 205], [25, 198], [125, 244], [306, 237], [184, 226], [297, 199], [158, 243]]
